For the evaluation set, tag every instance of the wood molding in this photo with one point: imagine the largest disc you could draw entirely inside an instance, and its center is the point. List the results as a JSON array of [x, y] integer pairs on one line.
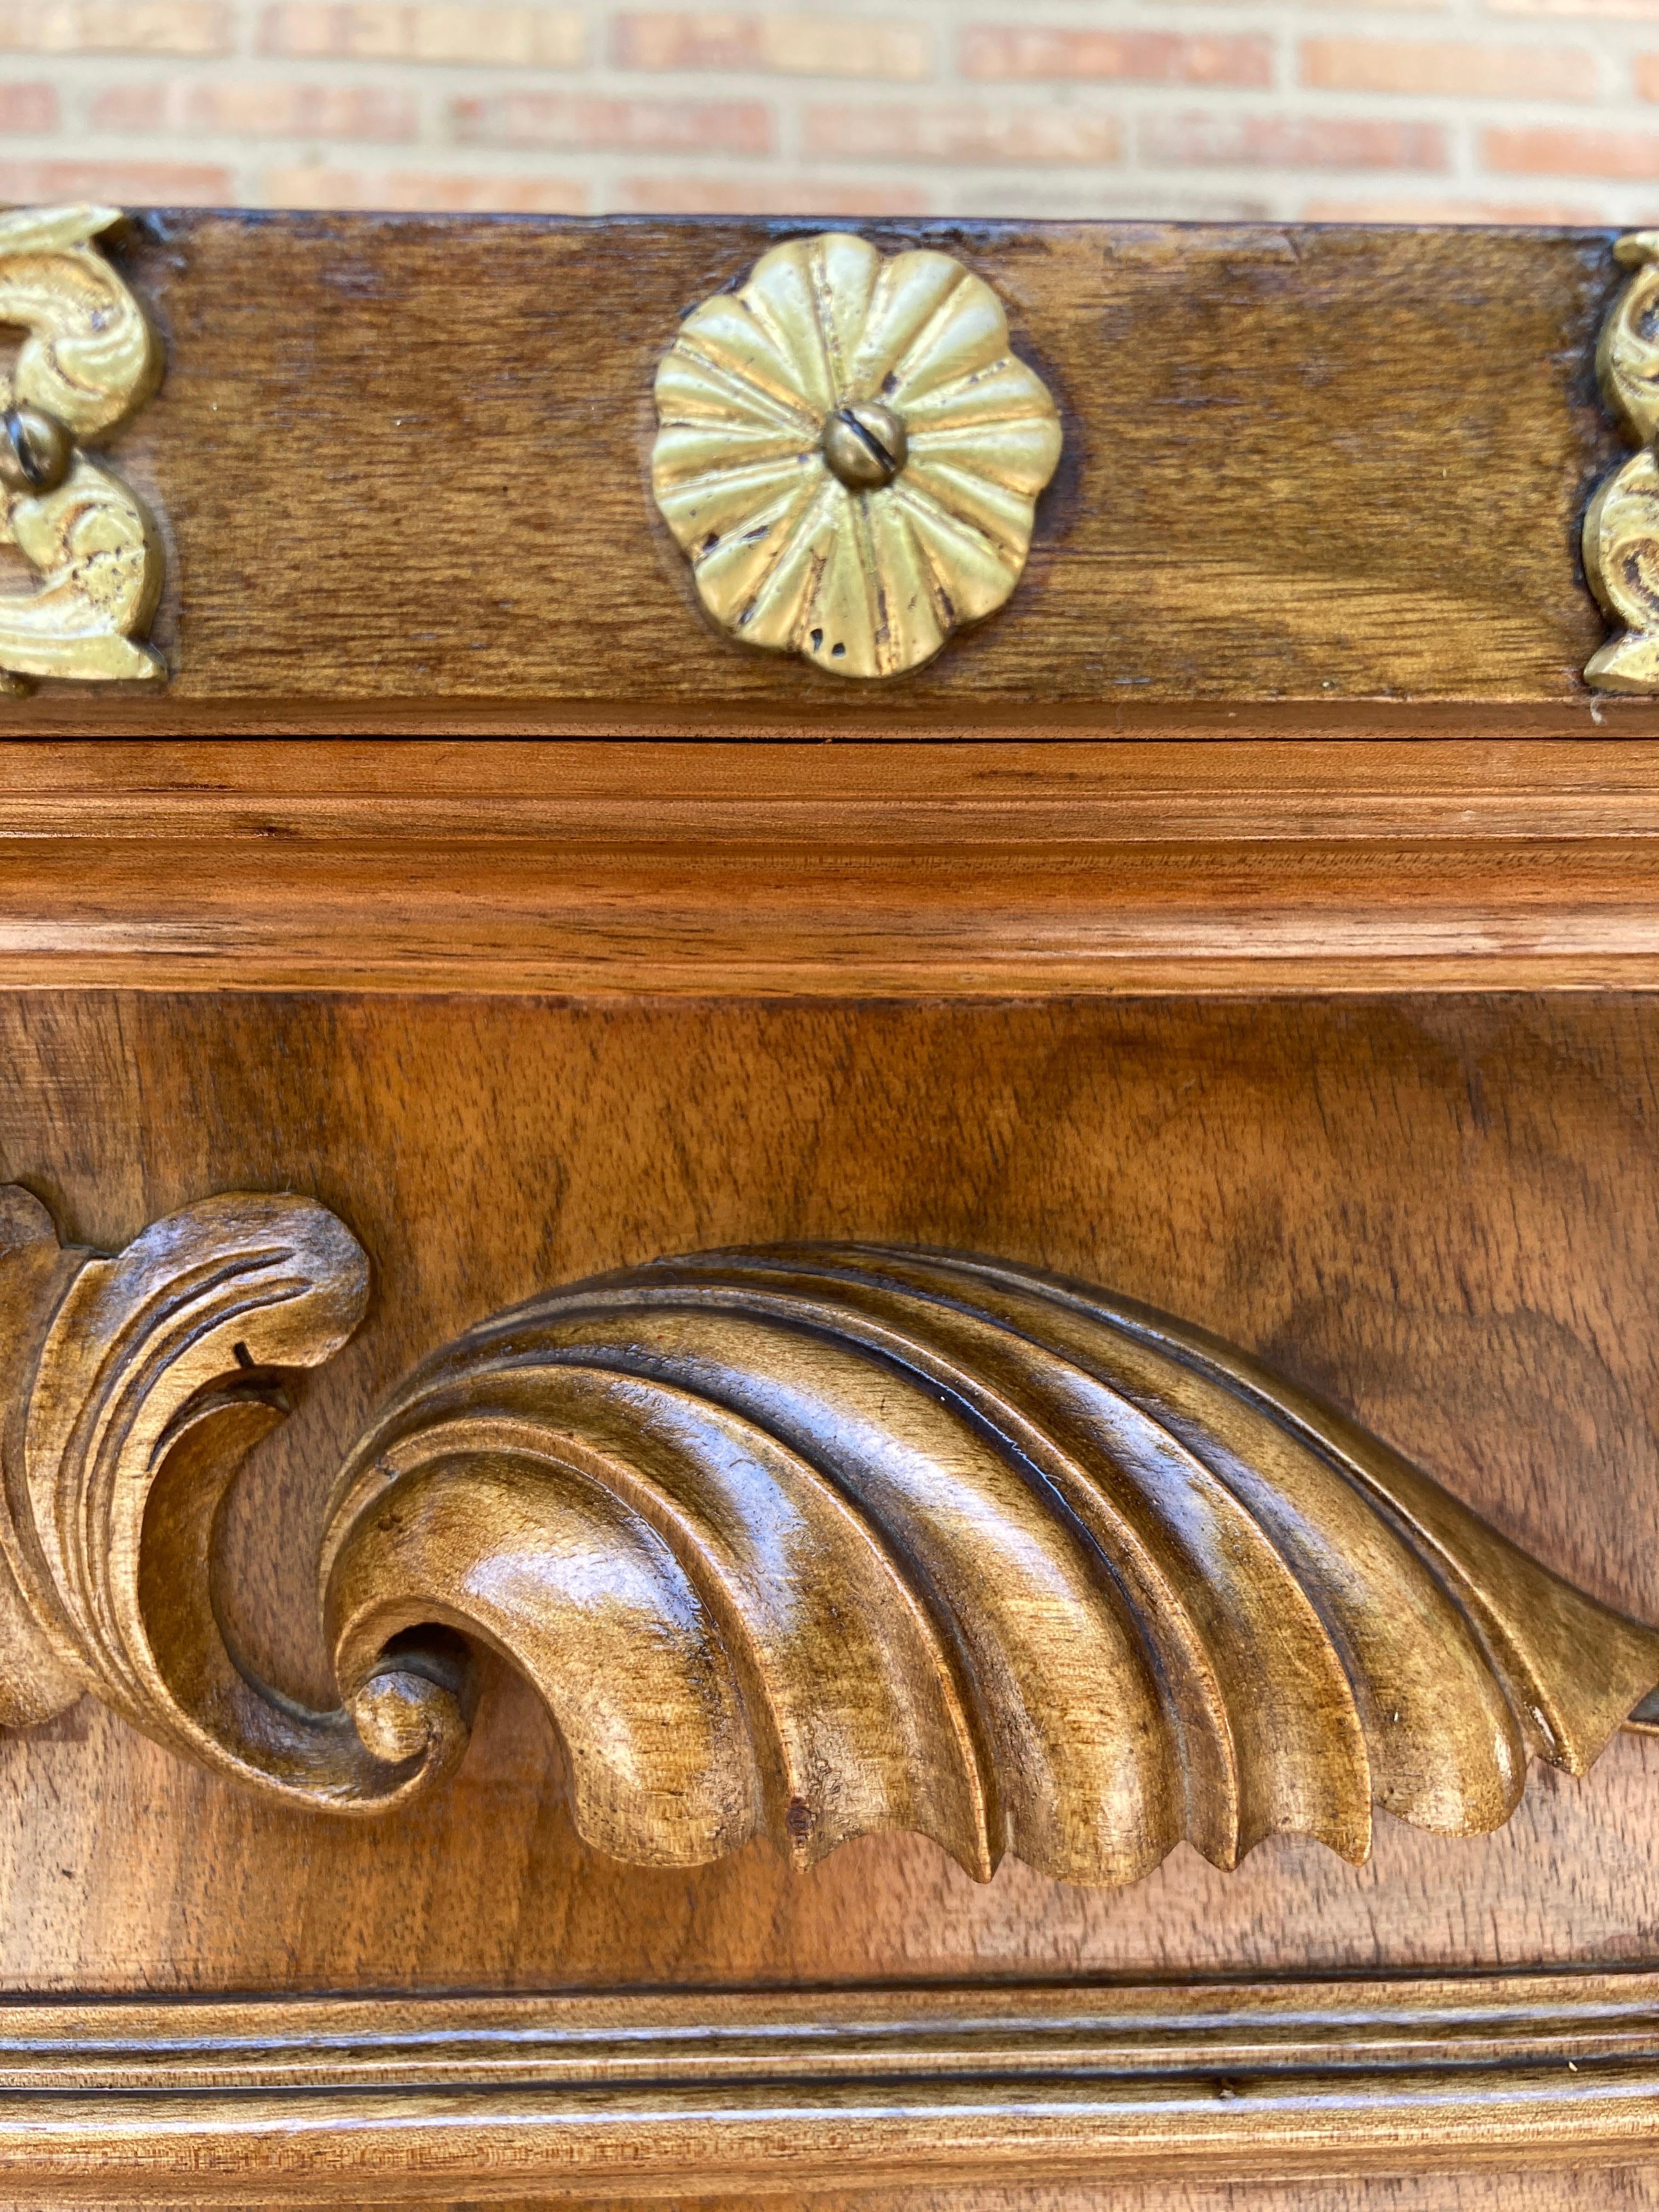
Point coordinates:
[[808, 1542], [785, 870], [429, 2099]]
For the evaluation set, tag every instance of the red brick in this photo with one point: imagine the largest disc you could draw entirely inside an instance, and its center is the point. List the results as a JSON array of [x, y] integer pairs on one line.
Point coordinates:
[[114, 26], [962, 133], [812, 46], [28, 108], [439, 191], [584, 122], [1457, 68], [991, 51], [426, 31], [754, 194], [134, 184], [1284, 142], [259, 110], [1542, 150]]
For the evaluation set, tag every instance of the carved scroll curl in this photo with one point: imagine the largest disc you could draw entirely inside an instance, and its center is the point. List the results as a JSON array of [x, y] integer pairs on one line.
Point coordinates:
[[797, 1542]]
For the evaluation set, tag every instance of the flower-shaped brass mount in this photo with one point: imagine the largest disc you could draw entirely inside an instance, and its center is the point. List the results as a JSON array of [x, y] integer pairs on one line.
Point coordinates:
[[89, 359], [850, 454]]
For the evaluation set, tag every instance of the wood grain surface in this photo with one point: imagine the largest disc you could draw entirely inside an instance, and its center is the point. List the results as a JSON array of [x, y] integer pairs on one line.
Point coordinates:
[[401, 466], [1545, 2186], [783, 870], [1437, 1212]]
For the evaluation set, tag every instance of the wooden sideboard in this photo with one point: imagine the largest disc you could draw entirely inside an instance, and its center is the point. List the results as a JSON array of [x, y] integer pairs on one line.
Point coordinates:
[[873, 1428]]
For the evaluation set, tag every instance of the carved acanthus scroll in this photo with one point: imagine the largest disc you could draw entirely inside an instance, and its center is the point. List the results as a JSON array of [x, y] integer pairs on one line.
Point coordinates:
[[87, 362], [804, 1542]]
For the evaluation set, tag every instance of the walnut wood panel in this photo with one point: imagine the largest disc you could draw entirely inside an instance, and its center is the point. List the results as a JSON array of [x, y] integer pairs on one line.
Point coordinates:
[[317, 2101], [1314, 466], [784, 870], [1438, 1213]]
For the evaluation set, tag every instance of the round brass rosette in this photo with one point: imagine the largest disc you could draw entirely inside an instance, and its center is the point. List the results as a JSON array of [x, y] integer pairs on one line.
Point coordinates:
[[850, 454]]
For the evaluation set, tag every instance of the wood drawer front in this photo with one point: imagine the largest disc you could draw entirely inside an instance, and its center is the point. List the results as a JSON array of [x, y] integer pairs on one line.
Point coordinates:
[[402, 469]]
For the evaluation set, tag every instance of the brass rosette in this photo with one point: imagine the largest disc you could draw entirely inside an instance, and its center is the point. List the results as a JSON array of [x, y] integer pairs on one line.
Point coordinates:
[[850, 454]]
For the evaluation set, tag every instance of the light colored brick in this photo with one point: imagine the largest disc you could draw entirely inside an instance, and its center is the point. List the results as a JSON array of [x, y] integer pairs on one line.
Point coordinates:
[[1545, 150], [697, 194], [424, 191], [998, 52], [1316, 109], [1593, 11], [1289, 142], [1351, 7], [431, 31], [587, 122], [28, 108], [963, 133], [130, 184], [114, 26], [809, 46], [1458, 68], [1549, 212], [259, 109]]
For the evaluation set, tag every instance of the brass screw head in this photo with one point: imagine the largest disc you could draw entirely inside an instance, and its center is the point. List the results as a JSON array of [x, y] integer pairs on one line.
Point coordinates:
[[35, 450], [865, 445]]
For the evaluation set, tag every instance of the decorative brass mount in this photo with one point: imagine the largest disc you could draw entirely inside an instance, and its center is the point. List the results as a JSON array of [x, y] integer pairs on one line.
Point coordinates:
[[850, 454], [804, 1542], [1621, 526], [88, 360]]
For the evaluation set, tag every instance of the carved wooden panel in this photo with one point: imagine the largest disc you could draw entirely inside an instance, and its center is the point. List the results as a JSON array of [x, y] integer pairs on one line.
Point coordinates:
[[1381, 1198], [919, 1472]]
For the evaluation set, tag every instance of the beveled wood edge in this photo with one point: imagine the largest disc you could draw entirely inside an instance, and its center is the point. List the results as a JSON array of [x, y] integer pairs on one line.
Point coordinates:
[[1266, 785], [994, 868], [321, 2100]]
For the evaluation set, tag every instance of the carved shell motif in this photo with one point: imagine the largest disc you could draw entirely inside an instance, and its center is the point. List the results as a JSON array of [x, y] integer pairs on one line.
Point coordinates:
[[795, 1542], [850, 454]]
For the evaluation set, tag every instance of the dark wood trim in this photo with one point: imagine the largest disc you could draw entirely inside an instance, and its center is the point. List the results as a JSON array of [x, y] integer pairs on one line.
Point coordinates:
[[788, 870], [321, 2099], [1327, 464]]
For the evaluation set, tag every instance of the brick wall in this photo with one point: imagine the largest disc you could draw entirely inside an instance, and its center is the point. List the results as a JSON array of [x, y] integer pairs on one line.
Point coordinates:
[[1491, 110]]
